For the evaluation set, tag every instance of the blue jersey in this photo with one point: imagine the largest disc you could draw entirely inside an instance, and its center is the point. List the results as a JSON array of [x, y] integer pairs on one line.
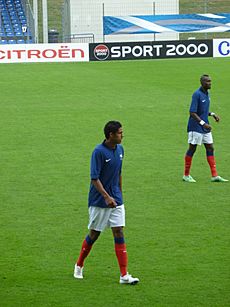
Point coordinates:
[[199, 105], [106, 164]]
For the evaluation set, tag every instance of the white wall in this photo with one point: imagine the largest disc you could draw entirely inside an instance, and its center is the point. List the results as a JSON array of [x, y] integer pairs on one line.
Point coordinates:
[[86, 16]]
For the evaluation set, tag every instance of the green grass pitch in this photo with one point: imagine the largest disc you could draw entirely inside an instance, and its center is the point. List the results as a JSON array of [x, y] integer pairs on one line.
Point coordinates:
[[177, 234]]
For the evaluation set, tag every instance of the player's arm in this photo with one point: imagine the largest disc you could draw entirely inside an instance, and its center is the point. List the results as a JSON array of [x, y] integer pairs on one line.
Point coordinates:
[[110, 201], [120, 182], [215, 116], [200, 121]]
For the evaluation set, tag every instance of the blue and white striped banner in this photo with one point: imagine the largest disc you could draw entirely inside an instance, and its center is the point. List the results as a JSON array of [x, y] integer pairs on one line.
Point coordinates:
[[201, 23]]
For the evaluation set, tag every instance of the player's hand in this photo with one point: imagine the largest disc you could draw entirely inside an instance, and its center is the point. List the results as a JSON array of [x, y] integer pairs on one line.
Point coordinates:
[[216, 117], [110, 201], [207, 127]]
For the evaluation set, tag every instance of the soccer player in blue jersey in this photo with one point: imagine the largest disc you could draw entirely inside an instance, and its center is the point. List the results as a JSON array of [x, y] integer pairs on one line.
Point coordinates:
[[199, 130], [106, 208]]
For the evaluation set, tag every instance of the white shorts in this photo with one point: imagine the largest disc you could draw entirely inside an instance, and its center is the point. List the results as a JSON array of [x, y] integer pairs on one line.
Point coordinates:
[[196, 138], [100, 218]]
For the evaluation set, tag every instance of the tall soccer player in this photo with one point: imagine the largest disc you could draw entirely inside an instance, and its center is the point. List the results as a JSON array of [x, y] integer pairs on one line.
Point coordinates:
[[199, 130], [105, 201]]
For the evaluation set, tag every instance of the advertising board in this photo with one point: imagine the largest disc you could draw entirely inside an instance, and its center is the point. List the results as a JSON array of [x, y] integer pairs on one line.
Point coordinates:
[[221, 47], [30, 53], [150, 50]]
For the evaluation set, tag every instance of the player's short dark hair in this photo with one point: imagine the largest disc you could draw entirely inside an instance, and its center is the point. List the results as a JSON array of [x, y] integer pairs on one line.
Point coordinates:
[[112, 126], [204, 77]]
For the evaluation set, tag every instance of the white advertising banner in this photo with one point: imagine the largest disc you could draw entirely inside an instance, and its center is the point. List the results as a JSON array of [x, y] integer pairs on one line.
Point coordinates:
[[31, 53], [221, 47]]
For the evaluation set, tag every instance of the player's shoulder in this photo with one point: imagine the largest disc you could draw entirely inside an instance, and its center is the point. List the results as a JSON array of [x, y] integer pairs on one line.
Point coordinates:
[[102, 148], [96, 149], [99, 148], [120, 147], [120, 150], [197, 94]]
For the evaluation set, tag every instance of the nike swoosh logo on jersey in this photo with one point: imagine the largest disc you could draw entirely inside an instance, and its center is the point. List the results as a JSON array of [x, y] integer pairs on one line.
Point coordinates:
[[203, 100], [107, 160]]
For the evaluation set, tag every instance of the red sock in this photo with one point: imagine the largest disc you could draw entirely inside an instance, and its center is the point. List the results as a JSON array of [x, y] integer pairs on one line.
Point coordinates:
[[212, 164], [85, 249], [122, 257], [187, 165]]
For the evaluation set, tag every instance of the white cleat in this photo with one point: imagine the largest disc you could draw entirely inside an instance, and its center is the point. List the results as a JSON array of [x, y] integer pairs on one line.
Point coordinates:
[[188, 179], [128, 279], [78, 272], [218, 179]]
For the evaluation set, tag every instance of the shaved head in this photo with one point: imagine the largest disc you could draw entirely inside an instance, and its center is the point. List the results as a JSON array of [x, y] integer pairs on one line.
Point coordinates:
[[205, 81], [204, 77]]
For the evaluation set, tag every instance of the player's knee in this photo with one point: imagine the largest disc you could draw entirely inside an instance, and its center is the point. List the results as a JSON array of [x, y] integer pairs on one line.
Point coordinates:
[[192, 148], [118, 232], [94, 235], [209, 148]]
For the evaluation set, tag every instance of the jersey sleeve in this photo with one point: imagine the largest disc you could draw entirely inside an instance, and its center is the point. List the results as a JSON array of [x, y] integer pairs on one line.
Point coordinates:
[[194, 103], [96, 164]]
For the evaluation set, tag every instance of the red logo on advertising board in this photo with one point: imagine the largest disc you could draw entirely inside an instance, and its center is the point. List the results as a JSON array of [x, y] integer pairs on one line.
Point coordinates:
[[101, 52]]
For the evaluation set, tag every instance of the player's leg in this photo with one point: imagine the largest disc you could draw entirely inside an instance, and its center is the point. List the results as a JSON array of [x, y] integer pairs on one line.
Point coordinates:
[[84, 252], [120, 249], [211, 159], [212, 163], [188, 158], [98, 218], [87, 245], [117, 222], [188, 162]]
